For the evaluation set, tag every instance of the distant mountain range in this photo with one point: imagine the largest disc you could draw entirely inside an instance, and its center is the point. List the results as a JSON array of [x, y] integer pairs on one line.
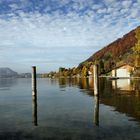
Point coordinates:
[[7, 72]]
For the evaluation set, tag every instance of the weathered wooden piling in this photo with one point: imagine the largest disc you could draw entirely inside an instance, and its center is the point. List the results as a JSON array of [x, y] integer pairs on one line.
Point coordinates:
[[96, 110], [96, 80], [34, 95], [34, 111], [34, 83]]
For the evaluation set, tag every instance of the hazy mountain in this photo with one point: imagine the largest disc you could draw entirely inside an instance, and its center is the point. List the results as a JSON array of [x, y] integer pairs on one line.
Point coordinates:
[[7, 72]]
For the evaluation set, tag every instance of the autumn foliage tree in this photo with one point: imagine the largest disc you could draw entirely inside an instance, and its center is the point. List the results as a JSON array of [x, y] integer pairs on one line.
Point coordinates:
[[84, 71]]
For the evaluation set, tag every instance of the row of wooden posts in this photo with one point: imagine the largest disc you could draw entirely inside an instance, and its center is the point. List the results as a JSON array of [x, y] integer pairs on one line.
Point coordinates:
[[34, 82]]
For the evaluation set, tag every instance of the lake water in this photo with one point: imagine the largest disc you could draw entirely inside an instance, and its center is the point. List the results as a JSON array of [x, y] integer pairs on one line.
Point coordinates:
[[67, 110]]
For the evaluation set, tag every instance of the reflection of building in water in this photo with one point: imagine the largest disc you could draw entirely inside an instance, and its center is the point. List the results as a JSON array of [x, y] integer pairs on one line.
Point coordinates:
[[122, 84], [123, 71]]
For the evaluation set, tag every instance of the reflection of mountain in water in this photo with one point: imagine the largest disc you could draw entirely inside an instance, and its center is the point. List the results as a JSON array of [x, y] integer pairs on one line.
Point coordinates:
[[123, 95], [6, 83]]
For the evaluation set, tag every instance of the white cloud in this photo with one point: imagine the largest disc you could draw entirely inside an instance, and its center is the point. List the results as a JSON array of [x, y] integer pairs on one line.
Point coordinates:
[[102, 11], [135, 13], [110, 10], [13, 6], [109, 2], [96, 6], [138, 1], [127, 3]]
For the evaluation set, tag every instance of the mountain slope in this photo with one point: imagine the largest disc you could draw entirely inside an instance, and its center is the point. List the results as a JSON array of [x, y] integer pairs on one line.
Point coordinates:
[[114, 54], [7, 72]]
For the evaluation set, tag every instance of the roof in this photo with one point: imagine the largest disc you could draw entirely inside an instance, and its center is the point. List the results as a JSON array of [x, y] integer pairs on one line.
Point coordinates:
[[123, 65]]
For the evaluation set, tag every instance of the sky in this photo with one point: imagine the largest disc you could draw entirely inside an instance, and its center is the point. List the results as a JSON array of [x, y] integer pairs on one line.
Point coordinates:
[[60, 33]]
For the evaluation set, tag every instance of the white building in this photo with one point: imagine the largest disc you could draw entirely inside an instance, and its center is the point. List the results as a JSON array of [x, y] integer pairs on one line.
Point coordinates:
[[123, 71]]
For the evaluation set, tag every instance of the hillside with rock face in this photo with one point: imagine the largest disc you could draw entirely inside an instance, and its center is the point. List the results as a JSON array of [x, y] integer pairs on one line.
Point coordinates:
[[7, 73], [115, 54]]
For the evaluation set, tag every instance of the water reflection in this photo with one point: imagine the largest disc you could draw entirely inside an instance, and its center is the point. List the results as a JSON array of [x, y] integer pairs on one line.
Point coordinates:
[[124, 84], [69, 114], [34, 110], [82, 83], [6, 83], [113, 85], [62, 82], [96, 110], [122, 94]]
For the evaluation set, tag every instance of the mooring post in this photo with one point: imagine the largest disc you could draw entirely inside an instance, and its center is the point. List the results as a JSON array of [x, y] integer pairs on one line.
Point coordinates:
[[34, 111], [96, 110], [96, 80], [34, 89], [34, 95]]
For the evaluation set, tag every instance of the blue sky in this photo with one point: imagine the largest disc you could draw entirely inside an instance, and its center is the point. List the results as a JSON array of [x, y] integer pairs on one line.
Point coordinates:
[[54, 33]]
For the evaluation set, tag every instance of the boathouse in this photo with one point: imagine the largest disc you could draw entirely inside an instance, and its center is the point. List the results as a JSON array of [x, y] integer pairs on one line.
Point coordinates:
[[122, 71]]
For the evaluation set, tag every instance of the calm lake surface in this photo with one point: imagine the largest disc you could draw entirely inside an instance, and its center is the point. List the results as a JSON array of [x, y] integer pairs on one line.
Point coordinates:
[[67, 110]]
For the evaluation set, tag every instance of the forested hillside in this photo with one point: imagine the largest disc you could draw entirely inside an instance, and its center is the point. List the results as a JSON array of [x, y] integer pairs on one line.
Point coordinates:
[[125, 50]]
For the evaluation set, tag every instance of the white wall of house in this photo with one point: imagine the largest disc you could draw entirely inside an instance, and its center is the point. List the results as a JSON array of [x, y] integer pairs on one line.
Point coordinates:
[[123, 72], [113, 73]]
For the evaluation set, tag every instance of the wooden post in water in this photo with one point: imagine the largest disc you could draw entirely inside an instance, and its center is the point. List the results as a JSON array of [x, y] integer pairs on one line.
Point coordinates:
[[96, 110], [96, 80], [34, 89], [96, 97], [34, 95], [34, 111]]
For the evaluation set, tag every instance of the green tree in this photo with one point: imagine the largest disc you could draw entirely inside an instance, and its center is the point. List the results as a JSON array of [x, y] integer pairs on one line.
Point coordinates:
[[61, 71], [84, 71], [101, 66]]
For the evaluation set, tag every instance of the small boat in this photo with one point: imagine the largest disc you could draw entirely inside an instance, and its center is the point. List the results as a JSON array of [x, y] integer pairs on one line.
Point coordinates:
[[113, 78]]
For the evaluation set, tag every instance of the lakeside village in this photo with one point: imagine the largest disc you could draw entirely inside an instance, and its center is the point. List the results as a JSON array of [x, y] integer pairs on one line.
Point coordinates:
[[122, 71]]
